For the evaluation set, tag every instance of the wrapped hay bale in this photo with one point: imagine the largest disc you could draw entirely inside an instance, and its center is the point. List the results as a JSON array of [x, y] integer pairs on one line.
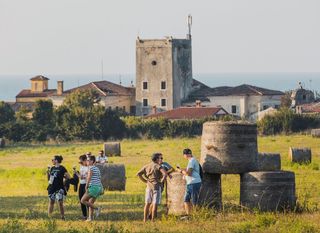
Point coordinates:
[[315, 133], [210, 192], [300, 155], [175, 194], [229, 147], [112, 149], [268, 191], [113, 176], [269, 162], [2, 143]]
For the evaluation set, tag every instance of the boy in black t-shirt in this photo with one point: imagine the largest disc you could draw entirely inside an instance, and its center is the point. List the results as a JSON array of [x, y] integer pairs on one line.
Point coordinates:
[[56, 189]]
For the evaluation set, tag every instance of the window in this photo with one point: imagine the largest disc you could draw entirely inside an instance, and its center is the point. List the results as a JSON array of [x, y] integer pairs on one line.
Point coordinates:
[[265, 107], [117, 108], [163, 85], [145, 85], [124, 108], [145, 102], [163, 102], [304, 97], [233, 109], [154, 63], [277, 106]]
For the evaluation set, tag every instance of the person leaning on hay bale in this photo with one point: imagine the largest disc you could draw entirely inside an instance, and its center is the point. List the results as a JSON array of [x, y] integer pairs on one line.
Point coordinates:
[[153, 175], [193, 179]]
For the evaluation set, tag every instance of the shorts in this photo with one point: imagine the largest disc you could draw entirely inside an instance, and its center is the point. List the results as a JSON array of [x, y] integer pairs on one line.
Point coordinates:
[[192, 193], [59, 195], [153, 196], [95, 191]]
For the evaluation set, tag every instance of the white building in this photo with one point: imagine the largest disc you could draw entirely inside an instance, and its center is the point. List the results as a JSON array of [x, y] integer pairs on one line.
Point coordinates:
[[244, 101]]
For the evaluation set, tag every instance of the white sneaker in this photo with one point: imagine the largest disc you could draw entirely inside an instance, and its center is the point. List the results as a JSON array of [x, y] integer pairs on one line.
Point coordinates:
[[98, 211], [89, 220]]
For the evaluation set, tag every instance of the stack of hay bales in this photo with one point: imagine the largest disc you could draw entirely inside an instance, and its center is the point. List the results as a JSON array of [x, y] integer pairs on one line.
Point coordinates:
[[112, 149], [113, 176], [2, 143], [315, 133], [300, 155], [175, 194], [231, 148]]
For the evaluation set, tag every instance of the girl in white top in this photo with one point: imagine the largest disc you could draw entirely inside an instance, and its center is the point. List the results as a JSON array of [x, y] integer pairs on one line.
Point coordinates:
[[83, 174]]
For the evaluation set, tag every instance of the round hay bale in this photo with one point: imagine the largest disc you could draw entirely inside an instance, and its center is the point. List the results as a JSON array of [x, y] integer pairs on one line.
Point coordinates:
[[2, 143], [300, 155], [269, 162], [229, 147], [268, 191], [112, 149], [315, 133], [113, 176], [175, 194], [210, 192]]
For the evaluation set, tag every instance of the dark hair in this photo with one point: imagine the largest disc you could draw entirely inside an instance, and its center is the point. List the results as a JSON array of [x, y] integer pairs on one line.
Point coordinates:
[[59, 158], [155, 156], [83, 157], [92, 158], [101, 151], [187, 151]]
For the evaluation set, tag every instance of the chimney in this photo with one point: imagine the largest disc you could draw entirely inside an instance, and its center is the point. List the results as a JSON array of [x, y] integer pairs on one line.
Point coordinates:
[[198, 104], [154, 109], [60, 88]]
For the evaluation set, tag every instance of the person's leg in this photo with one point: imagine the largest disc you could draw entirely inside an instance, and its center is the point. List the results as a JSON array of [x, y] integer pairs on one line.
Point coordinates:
[[154, 211], [50, 207], [195, 193], [146, 212], [187, 200], [84, 209], [188, 207], [156, 200], [61, 208]]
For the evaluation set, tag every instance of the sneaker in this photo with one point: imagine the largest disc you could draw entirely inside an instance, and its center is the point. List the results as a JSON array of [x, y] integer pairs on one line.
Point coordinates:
[[185, 218], [89, 220], [98, 211]]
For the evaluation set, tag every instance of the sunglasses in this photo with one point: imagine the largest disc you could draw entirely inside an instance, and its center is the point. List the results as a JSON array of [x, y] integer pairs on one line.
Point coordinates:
[[161, 158]]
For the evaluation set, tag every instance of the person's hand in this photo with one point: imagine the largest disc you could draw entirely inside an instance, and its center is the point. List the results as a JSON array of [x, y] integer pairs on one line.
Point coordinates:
[[170, 176]]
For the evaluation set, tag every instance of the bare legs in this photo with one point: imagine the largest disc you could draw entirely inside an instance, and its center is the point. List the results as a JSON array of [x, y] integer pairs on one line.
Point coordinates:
[[89, 201], [51, 206], [150, 210], [188, 207]]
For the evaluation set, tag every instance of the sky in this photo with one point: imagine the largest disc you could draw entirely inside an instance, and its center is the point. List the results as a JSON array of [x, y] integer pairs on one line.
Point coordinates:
[[75, 36]]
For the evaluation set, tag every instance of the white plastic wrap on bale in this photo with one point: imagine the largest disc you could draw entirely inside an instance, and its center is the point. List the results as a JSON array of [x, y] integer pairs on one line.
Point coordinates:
[[315, 133], [269, 162], [2, 143], [112, 149], [300, 155], [113, 176]]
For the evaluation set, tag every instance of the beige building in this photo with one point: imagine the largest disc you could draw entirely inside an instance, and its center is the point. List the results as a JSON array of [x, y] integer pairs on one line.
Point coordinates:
[[244, 101], [113, 96]]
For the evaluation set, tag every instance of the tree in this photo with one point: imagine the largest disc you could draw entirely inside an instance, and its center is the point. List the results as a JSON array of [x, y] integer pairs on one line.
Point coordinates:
[[43, 113], [111, 125], [286, 100], [6, 113]]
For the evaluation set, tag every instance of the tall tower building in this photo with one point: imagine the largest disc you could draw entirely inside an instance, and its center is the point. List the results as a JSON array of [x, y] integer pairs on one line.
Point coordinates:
[[163, 73]]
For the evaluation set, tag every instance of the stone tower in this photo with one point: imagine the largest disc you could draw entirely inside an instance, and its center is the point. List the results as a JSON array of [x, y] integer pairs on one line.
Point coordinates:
[[39, 83], [163, 73]]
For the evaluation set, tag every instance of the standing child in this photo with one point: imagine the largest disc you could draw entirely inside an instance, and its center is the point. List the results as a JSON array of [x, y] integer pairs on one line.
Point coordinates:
[[83, 174]]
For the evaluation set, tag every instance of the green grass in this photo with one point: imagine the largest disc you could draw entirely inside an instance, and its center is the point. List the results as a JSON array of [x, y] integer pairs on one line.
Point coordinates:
[[23, 201]]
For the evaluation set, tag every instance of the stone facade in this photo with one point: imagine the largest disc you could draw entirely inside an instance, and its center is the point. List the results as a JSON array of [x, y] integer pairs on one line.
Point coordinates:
[[163, 74]]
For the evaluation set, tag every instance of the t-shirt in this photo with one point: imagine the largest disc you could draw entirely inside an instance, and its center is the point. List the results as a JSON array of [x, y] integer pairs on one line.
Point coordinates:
[[56, 178], [153, 174], [102, 159], [195, 176], [83, 174], [95, 177]]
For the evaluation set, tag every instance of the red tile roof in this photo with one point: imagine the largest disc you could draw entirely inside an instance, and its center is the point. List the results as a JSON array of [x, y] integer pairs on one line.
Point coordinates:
[[189, 113], [310, 108], [28, 93]]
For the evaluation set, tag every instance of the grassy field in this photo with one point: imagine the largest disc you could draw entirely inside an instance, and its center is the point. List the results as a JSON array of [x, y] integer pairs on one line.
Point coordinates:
[[23, 201]]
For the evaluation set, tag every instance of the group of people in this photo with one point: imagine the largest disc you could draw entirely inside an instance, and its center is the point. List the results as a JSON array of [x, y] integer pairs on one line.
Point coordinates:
[[155, 173], [88, 176]]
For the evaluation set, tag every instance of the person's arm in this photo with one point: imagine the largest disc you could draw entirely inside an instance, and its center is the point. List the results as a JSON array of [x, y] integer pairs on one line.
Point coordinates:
[[67, 176], [164, 174], [186, 172], [141, 175], [88, 178]]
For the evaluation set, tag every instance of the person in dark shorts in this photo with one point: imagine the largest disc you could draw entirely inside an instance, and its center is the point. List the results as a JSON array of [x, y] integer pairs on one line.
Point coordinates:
[[153, 175], [83, 174], [93, 187], [193, 180], [56, 189]]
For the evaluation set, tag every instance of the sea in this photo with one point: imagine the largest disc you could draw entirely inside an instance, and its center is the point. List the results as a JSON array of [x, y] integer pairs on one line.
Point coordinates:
[[11, 85]]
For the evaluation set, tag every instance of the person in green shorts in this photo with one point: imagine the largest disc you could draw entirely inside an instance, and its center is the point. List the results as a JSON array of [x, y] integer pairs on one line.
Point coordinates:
[[93, 188]]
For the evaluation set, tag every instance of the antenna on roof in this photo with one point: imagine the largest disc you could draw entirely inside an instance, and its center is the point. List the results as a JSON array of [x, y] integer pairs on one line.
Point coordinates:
[[102, 69], [120, 80], [189, 26]]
